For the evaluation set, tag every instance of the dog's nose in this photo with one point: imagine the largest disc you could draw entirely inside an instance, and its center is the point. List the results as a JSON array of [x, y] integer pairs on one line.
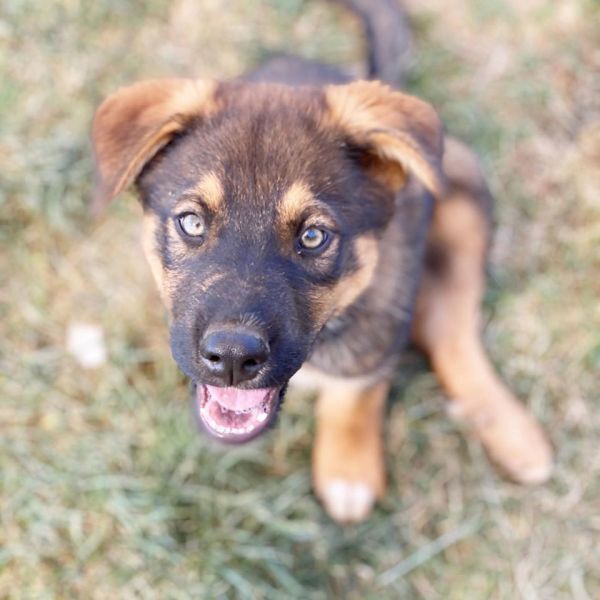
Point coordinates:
[[233, 356]]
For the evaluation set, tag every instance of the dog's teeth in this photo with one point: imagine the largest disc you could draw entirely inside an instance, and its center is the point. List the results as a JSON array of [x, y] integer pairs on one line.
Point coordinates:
[[258, 416]]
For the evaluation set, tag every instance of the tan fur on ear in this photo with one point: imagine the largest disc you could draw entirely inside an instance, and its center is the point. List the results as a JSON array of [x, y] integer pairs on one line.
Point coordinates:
[[396, 127], [135, 122]]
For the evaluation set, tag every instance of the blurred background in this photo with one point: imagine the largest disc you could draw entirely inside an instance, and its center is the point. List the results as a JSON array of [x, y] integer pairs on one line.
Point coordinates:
[[106, 488]]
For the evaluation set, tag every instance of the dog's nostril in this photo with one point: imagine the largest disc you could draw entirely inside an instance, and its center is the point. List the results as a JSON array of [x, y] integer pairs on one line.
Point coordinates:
[[250, 363], [214, 358]]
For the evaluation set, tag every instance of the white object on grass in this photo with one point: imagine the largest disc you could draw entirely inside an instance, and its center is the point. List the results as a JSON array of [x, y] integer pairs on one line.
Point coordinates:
[[85, 342]]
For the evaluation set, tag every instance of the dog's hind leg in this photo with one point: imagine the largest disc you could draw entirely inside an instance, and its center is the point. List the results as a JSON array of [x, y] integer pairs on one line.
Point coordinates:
[[447, 324], [348, 465]]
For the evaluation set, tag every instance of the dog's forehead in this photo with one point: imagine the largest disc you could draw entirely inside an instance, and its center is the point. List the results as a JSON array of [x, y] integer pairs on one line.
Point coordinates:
[[264, 146], [265, 143]]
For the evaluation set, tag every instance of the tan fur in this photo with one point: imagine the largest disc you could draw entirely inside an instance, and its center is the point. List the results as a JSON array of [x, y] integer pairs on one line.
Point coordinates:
[[397, 127], [166, 281], [209, 281], [349, 288], [210, 190], [327, 303], [447, 327], [348, 448], [135, 122], [385, 171], [294, 202]]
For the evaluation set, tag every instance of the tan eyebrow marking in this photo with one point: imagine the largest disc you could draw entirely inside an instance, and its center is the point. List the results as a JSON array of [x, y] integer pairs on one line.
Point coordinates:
[[210, 281], [210, 190], [295, 201]]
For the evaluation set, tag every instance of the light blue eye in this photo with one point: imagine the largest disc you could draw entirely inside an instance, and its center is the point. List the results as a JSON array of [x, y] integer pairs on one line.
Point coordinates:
[[313, 238], [192, 224]]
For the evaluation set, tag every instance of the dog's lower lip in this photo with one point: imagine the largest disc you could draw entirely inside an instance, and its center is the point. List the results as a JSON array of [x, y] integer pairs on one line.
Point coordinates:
[[233, 415]]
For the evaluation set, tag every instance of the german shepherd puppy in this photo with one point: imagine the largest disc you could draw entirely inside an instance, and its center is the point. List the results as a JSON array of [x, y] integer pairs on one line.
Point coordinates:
[[301, 225]]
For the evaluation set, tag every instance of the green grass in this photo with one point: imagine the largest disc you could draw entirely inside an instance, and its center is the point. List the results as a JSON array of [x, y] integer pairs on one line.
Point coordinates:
[[106, 488]]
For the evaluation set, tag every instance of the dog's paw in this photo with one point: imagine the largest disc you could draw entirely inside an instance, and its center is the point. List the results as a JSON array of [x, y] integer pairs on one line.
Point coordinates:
[[513, 439], [349, 485], [347, 501], [525, 456]]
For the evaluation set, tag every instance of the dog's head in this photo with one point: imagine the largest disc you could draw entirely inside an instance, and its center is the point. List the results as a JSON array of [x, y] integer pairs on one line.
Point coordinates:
[[263, 207]]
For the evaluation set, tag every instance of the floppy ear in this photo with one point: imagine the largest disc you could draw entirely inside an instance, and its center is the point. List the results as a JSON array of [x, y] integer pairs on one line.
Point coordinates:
[[135, 122], [397, 134]]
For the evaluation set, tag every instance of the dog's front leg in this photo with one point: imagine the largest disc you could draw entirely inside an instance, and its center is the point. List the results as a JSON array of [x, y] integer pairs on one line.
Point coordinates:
[[348, 466]]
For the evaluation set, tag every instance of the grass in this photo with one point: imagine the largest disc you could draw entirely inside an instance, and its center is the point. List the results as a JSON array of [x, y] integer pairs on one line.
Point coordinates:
[[107, 490]]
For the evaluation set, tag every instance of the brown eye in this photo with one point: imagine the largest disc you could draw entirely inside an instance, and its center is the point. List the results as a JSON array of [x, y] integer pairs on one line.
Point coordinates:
[[192, 224], [313, 238]]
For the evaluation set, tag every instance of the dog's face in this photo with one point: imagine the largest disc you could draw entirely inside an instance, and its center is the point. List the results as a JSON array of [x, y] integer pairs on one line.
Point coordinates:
[[263, 209]]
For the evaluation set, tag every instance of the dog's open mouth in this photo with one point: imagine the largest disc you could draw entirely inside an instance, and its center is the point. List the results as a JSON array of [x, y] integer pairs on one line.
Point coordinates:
[[234, 415]]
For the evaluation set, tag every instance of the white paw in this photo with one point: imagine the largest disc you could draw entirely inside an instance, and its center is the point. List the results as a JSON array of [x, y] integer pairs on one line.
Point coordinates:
[[347, 501], [535, 474], [530, 470]]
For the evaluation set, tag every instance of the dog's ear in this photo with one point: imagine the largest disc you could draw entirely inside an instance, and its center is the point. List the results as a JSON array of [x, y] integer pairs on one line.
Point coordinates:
[[135, 122], [394, 134]]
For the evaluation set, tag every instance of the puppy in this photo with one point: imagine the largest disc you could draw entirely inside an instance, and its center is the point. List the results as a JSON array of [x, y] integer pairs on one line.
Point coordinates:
[[302, 226]]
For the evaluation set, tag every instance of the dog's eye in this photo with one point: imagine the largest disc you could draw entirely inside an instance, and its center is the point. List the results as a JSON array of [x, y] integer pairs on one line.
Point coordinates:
[[192, 224], [313, 238]]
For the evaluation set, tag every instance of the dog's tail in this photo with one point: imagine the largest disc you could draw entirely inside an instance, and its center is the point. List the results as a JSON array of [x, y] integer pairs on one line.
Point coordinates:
[[388, 38]]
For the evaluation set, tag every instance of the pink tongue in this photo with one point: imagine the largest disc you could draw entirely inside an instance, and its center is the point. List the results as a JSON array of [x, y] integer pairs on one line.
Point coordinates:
[[234, 399]]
